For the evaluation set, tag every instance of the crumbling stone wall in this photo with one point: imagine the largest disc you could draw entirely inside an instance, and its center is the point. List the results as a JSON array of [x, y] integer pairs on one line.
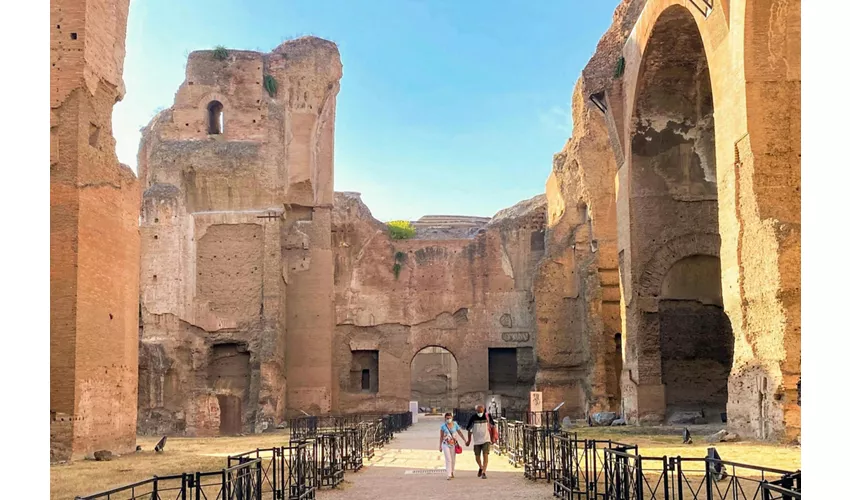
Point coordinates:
[[236, 242], [577, 288], [464, 295], [94, 237], [739, 54]]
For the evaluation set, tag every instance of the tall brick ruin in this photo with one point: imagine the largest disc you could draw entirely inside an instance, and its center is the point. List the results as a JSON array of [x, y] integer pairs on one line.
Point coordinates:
[[698, 196], [659, 275], [94, 237], [237, 264]]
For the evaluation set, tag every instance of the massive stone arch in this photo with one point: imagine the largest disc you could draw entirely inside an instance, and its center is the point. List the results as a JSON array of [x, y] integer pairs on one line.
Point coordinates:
[[668, 210], [752, 54]]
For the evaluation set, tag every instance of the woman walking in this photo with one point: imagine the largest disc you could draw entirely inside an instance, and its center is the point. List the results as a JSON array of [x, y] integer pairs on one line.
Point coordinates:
[[449, 439]]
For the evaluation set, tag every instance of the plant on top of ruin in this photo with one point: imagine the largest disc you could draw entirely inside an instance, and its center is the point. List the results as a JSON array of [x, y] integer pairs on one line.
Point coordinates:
[[220, 53], [270, 84], [401, 229]]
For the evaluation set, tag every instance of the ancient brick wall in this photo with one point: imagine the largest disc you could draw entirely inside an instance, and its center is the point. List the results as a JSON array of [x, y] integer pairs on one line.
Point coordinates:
[[739, 53], [94, 237], [235, 242], [577, 288], [464, 295]]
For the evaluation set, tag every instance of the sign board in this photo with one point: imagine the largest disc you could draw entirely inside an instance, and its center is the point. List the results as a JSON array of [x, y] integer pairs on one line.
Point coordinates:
[[414, 409], [535, 408]]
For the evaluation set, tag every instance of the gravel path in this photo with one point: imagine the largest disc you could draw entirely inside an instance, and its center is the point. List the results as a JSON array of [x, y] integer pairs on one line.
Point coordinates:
[[389, 475]]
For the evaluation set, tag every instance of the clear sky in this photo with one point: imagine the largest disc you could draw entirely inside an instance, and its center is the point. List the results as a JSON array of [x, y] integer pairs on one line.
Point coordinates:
[[445, 107]]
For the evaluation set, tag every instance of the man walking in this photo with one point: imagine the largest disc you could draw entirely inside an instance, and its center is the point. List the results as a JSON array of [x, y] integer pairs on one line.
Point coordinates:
[[478, 428]]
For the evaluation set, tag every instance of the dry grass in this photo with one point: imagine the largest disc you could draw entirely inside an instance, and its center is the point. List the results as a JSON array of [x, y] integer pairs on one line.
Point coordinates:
[[658, 445], [204, 454], [181, 455]]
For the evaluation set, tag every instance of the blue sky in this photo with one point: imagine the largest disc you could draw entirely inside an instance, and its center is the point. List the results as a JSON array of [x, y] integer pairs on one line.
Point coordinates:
[[445, 107]]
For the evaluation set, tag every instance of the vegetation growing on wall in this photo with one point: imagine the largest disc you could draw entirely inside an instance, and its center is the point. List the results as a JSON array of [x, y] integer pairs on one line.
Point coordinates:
[[270, 84], [401, 229], [620, 68], [400, 258], [220, 53]]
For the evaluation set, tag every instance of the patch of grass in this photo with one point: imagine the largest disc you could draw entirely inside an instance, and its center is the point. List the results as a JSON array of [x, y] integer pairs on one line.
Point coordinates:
[[220, 53], [401, 229], [270, 84]]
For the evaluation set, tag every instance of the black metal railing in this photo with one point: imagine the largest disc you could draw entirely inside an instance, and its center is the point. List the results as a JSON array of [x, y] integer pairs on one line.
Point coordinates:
[[242, 481], [537, 452], [632, 476], [287, 471], [319, 452]]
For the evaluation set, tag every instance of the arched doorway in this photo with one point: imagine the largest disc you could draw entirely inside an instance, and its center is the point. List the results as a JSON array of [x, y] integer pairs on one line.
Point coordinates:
[[434, 379], [681, 340]]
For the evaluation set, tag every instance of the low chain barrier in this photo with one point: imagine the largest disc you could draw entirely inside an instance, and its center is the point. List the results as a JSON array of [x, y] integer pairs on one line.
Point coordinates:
[[319, 452]]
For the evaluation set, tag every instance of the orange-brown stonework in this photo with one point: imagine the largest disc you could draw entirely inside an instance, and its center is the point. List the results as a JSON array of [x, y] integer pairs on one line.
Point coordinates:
[[699, 188], [471, 296], [237, 266], [658, 277], [94, 237]]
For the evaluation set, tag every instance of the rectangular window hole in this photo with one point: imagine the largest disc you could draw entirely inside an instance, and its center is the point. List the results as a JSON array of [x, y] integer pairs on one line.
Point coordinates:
[[94, 135]]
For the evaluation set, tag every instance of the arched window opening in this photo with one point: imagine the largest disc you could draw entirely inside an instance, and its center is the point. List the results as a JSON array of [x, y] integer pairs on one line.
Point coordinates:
[[216, 117]]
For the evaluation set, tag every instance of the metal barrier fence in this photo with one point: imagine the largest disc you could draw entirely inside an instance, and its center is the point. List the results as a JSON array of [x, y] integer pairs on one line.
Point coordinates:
[[320, 450], [288, 472], [242, 482], [607, 470]]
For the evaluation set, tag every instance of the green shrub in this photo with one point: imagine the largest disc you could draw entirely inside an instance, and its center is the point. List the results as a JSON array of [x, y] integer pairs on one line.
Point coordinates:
[[270, 84], [620, 68], [401, 229], [220, 53]]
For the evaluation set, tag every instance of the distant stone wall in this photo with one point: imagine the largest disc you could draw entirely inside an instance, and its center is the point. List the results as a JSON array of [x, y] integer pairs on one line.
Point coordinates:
[[464, 295]]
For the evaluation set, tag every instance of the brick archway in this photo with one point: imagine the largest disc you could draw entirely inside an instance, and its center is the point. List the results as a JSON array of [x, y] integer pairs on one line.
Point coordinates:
[[649, 285], [434, 377], [669, 186]]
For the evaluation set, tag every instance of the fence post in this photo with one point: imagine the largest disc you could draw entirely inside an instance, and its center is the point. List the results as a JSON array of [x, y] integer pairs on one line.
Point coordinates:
[[709, 494], [260, 476]]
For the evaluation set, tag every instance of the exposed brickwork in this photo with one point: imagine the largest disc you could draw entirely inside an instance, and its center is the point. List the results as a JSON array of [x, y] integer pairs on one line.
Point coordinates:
[[465, 295], [94, 252], [236, 242], [703, 160]]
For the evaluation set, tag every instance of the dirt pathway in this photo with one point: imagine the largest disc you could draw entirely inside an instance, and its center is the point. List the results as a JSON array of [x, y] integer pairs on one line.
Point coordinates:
[[405, 468]]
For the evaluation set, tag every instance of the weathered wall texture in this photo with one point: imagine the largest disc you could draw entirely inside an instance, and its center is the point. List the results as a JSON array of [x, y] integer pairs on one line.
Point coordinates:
[[464, 295], [94, 236], [237, 269], [705, 124], [433, 379], [576, 289], [694, 205]]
